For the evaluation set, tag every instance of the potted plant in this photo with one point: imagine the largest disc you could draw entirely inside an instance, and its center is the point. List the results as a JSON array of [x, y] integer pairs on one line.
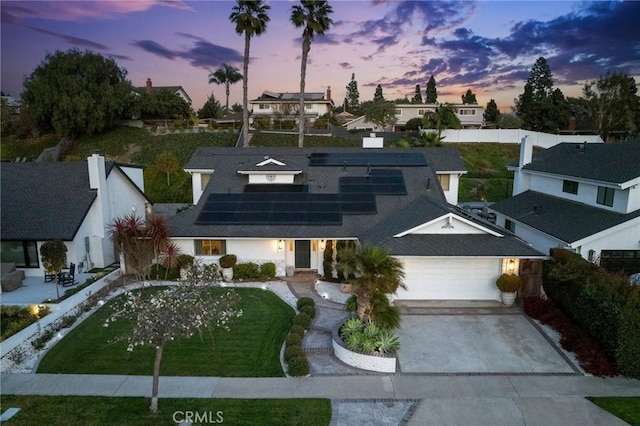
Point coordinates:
[[227, 262], [508, 284]]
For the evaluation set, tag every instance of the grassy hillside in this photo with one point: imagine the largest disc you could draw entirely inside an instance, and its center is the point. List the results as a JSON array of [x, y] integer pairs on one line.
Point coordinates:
[[487, 177]]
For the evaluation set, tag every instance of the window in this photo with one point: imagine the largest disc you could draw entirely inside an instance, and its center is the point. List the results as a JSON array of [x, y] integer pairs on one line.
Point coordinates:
[[263, 106], [444, 182], [23, 253], [422, 112], [605, 196], [210, 247], [570, 187], [398, 112], [467, 112], [509, 225]]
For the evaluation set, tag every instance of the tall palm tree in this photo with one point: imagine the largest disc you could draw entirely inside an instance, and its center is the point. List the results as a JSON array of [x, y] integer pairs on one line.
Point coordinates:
[[250, 18], [313, 15], [226, 75], [374, 273]]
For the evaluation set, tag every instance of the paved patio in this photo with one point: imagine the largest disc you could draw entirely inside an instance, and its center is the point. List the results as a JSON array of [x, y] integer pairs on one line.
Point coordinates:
[[35, 291]]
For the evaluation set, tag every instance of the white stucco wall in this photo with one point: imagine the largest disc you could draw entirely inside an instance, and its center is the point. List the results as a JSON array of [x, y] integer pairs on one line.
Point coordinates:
[[621, 237]]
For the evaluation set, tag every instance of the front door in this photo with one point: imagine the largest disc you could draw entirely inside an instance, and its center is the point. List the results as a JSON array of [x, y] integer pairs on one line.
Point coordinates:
[[303, 254]]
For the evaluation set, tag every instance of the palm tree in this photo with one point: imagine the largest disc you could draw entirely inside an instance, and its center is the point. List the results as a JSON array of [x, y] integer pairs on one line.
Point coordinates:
[[251, 19], [375, 275], [314, 17], [226, 75]]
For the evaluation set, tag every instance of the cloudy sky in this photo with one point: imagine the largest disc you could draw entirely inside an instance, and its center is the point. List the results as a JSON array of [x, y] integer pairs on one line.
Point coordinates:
[[486, 46]]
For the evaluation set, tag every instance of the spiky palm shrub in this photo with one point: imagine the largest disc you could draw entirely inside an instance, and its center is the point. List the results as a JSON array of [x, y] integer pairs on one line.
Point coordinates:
[[386, 342]]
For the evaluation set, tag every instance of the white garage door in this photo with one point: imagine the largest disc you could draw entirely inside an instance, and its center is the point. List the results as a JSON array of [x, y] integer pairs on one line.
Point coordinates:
[[450, 279]]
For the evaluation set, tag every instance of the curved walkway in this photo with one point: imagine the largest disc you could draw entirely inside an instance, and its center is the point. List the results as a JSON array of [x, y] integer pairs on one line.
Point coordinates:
[[362, 398]]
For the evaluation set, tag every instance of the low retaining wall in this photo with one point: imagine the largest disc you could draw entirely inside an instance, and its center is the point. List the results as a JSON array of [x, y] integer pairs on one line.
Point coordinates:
[[381, 363], [58, 310]]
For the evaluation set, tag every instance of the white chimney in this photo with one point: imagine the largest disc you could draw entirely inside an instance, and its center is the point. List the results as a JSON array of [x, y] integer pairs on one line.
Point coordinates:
[[97, 173], [526, 151]]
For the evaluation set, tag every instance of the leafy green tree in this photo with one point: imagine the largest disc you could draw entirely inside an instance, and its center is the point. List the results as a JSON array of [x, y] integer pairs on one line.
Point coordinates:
[[613, 104], [469, 98], [417, 97], [225, 75], [378, 96], [168, 164], [381, 113], [491, 113], [413, 124], [540, 107], [250, 18], [236, 107], [77, 93], [444, 117], [313, 17], [579, 108], [53, 254], [164, 105], [352, 100], [510, 121], [374, 273], [210, 109], [432, 93]]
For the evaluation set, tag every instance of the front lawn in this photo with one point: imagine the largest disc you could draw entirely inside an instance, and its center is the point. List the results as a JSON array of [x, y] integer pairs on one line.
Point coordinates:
[[626, 408], [89, 410], [250, 349]]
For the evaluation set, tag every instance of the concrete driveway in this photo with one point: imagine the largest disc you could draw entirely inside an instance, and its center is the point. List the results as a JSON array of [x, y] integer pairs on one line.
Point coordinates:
[[476, 344]]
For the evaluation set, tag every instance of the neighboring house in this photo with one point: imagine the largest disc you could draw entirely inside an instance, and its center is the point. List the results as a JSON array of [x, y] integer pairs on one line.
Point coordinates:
[[584, 197], [70, 201], [283, 205], [151, 90], [285, 106], [470, 116]]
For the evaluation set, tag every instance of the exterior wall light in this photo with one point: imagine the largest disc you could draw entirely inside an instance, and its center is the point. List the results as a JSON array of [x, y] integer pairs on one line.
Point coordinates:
[[280, 245], [510, 266]]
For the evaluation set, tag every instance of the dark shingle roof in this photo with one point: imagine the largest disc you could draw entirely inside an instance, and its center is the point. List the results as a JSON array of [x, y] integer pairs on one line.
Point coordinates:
[[615, 163], [42, 201], [445, 159], [566, 220]]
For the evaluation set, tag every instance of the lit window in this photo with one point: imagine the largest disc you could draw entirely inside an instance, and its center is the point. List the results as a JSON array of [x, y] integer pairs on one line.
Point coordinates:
[[210, 247], [444, 182]]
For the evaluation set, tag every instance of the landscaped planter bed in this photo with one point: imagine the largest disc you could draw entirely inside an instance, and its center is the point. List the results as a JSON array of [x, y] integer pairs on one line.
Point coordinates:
[[382, 363]]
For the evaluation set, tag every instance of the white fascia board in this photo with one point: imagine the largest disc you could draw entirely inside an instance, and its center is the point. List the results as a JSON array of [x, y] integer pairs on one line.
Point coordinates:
[[468, 257], [451, 172], [192, 171], [446, 216], [269, 172], [630, 183], [583, 180]]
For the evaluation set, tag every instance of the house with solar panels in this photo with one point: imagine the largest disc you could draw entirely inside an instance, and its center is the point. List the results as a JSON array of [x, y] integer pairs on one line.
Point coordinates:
[[284, 205], [582, 197]]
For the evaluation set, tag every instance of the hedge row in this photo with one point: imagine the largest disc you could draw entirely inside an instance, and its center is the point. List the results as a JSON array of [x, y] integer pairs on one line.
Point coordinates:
[[253, 271], [297, 363], [604, 305]]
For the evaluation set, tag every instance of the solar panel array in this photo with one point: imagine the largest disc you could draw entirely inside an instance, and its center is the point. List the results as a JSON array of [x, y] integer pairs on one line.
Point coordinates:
[[379, 182], [283, 208], [275, 187], [379, 159]]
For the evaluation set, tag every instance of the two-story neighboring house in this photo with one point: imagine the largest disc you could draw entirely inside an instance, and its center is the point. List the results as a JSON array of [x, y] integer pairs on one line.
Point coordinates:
[[584, 197], [276, 106], [470, 116]]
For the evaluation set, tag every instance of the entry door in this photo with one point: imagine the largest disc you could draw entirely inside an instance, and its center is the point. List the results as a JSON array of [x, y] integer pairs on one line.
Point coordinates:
[[303, 254]]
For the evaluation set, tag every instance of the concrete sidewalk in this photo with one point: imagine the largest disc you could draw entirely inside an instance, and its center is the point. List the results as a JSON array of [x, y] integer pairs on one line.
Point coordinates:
[[420, 399]]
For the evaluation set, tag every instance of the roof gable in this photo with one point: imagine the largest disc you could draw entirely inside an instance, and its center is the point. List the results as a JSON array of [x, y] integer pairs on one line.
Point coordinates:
[[449, 224]]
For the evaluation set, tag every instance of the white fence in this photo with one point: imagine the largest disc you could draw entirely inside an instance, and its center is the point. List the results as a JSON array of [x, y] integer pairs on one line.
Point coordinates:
[[57, 311], [544, 140]]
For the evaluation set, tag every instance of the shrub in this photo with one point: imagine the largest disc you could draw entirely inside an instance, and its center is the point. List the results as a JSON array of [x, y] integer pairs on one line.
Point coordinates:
[[246, 271], [508, 283], [351, 326], [305, 301], [17, 355], [297, 329], [303, 320], [67, 321], [16, 318], [298, 366], [309, 310], [228, 261], [293, 340], [387, 341], [293, 351], [267, 271], [628, 345], [43, 338], [185, 260]]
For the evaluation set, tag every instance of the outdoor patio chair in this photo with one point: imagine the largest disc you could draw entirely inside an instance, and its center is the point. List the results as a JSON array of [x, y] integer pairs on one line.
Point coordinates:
[[67, 276], [49, 277]]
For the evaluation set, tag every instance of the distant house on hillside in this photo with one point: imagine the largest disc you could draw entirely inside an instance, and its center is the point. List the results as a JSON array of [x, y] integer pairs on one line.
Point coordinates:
[[151, 90], [470, 116], [276, 106]]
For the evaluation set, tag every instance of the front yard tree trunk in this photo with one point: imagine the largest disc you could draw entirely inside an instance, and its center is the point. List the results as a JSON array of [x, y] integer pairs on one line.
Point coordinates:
[[156, 379]]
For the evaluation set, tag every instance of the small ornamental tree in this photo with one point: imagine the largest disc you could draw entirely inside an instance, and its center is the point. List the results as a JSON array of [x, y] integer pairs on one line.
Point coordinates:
[[53, 254], [173, 313]]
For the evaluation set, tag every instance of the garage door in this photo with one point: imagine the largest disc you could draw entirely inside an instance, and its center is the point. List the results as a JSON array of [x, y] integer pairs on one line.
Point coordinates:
[[450, 279]]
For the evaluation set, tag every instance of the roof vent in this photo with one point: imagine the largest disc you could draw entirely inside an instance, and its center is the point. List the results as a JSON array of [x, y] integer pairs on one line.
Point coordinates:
[[537, 209]]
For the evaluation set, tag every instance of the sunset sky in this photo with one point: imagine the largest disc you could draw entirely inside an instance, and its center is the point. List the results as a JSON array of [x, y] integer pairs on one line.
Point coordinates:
[[486, 46]]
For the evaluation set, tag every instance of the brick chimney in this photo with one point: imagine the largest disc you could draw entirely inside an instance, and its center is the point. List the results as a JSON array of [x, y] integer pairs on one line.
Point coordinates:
[[328, 93], [572, 123], [149, 86]]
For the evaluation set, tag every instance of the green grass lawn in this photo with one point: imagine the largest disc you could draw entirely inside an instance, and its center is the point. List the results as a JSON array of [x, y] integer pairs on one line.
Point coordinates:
[[250, 349], [86, 411], [626, 408]]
